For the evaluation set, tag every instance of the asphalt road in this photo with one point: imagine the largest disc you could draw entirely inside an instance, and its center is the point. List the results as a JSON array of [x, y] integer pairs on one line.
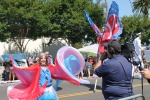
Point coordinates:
[[67, 91]]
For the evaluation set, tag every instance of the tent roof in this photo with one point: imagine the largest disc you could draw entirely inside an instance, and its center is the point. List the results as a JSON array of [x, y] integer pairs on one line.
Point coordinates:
[[91, 48], [20, 56]]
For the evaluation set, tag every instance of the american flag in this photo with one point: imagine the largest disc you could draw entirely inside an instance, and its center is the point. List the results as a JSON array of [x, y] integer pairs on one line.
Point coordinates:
[[95, 28], [113, 26]]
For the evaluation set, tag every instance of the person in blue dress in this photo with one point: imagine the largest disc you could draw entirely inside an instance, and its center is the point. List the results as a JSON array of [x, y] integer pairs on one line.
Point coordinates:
[[36, 80], [45, 75]]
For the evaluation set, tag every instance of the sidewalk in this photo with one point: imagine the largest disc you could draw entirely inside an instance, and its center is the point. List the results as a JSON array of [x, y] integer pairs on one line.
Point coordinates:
[[4, 82]]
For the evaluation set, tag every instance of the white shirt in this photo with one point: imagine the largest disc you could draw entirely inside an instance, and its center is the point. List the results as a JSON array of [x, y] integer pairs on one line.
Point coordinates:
[[138, 49], [137, 45]]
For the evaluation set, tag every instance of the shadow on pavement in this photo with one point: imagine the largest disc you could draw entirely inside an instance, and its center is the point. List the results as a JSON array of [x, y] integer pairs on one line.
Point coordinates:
[[59, 88], [91, 86]]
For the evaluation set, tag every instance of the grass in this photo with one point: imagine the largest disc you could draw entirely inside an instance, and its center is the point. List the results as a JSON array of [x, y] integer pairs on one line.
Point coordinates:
[[88, 53]]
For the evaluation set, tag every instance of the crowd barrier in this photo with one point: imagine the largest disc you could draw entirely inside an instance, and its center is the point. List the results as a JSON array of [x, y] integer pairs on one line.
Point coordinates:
[[134, 97]]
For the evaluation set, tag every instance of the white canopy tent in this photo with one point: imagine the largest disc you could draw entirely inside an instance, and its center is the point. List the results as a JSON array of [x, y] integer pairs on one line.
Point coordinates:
[[91, 48]]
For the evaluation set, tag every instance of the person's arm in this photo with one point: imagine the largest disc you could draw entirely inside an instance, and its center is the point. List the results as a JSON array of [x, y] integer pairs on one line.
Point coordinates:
[[103, 57], [97, 64], [139, 44], [145, 73]]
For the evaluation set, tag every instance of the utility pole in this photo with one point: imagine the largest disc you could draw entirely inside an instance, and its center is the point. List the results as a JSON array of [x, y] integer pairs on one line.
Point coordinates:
[[43, 43], [106, 4]]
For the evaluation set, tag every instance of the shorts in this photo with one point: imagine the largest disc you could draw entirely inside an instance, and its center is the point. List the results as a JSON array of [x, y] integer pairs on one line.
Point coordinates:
[[89, 66], [11, 69]]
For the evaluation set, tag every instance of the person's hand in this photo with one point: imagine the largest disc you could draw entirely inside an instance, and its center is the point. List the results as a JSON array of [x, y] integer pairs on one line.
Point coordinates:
[[103, 56], [136, 70], [145, 73]]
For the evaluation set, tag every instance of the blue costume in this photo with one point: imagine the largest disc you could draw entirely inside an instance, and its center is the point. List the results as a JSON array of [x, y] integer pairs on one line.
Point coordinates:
[[116, 80], [48, 94]]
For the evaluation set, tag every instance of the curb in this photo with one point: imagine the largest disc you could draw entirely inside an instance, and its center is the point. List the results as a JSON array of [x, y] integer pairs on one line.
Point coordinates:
[[4, 82]]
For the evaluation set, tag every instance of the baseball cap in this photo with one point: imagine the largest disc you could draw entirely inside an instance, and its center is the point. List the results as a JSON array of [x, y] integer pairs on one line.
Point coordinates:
[[115, 45], [139, 33]]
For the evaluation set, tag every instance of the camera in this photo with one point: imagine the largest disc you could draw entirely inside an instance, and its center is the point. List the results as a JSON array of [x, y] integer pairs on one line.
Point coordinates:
[[127, 50]]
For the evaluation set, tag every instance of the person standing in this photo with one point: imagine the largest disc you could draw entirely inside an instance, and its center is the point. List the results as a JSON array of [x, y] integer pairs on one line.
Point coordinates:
[[116, 73], [31, 60], [39, 85], [11, 73], [36, 80], [138, 50], [6, 73], [137, 44], [88, 66], [49, 58]]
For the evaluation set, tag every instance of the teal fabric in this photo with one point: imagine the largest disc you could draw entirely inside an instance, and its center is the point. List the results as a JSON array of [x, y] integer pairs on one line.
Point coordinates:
[[45, 76], [72, 64], [47, 96]]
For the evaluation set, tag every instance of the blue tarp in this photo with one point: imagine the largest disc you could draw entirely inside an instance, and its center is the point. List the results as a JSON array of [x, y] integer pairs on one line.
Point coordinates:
[[20, 56]]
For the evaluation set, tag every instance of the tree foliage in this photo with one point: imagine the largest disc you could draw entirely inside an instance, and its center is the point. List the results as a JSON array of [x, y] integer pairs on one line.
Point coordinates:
[[133, 25], [141, 6], [67, 20], [21, 19]]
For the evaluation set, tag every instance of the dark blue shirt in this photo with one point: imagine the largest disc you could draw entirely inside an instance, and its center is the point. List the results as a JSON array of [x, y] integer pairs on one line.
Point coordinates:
[[116, 80]]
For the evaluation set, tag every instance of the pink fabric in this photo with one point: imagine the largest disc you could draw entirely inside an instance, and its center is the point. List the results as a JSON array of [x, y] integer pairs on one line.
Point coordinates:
[[29, 88], [101, 46], [62, 75]]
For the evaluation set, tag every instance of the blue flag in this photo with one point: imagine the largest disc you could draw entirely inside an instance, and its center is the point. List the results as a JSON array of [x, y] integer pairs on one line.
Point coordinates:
[[95, 28]]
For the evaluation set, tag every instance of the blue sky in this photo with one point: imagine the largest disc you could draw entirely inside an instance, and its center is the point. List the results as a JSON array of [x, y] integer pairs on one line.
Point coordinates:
[[124, 7]]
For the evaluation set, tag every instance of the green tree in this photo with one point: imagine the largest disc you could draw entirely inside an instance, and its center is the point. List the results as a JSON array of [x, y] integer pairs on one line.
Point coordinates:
[[141, 6], [20, 20], [67, 20], [49, 18], [133, 25]]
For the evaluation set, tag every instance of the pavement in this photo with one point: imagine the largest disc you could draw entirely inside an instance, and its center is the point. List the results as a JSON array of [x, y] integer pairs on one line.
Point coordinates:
[[67, 91], [4, 82], [16, 81]]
